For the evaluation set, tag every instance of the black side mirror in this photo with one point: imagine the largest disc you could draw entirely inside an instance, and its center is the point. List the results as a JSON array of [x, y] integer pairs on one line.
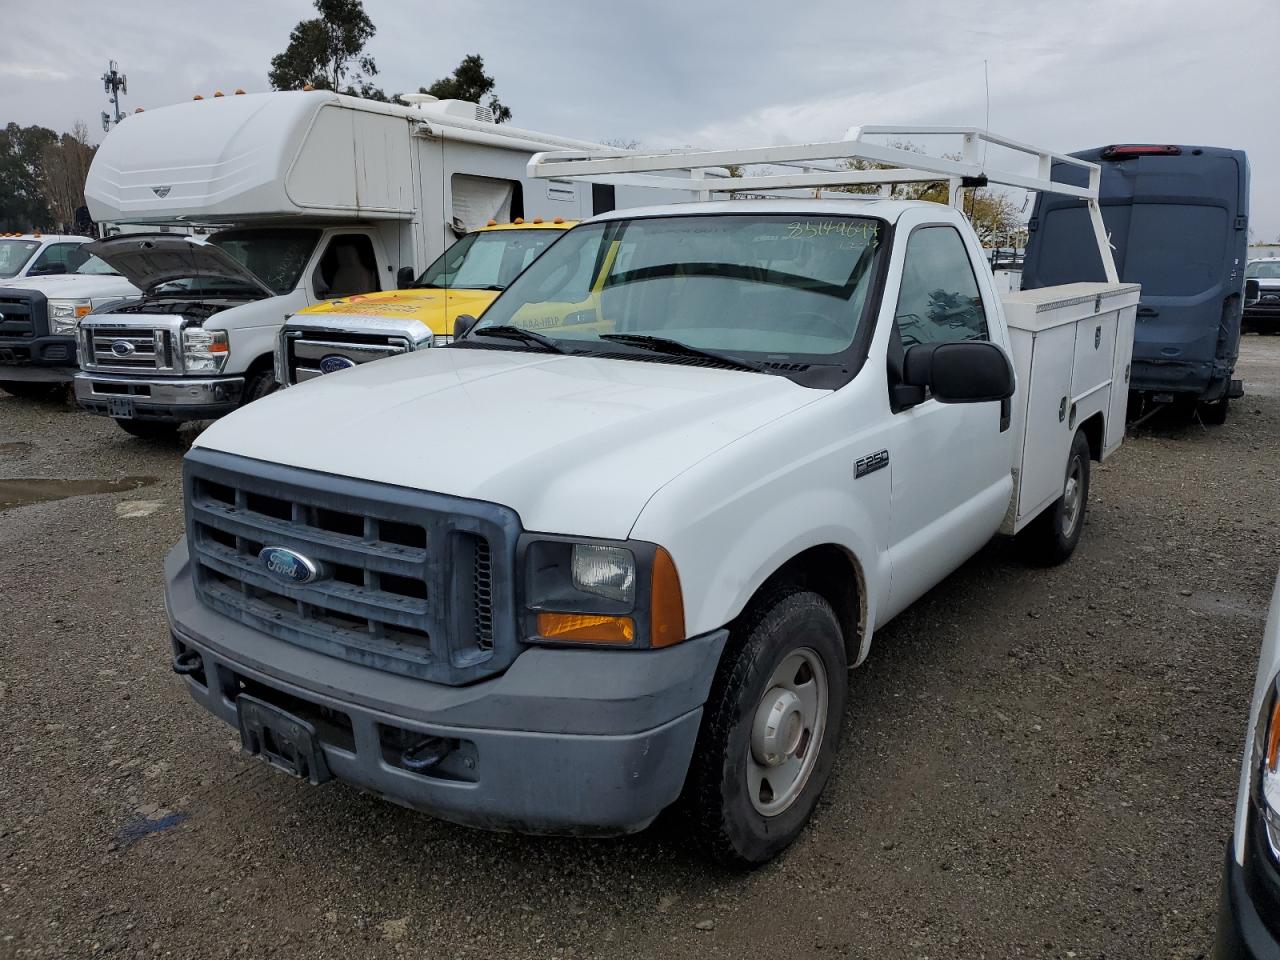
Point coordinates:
[[404, 278], [1252, 291], [463, 325], [967, 371]]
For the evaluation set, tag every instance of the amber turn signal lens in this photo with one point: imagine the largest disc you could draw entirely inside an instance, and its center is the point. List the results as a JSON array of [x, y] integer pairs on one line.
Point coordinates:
[[586, 628], [666, 608], [1273, 740]]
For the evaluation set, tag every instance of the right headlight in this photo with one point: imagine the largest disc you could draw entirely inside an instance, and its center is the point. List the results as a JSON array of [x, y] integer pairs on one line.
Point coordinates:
[[600, 593], [204, 351], [65, 315]]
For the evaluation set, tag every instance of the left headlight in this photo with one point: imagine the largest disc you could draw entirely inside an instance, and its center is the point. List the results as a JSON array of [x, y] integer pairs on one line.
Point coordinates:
[[65, 315], [601, 593], [204, 351]]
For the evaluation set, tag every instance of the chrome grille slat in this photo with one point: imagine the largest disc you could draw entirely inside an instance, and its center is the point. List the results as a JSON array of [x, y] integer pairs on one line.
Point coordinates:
[[306, 349]]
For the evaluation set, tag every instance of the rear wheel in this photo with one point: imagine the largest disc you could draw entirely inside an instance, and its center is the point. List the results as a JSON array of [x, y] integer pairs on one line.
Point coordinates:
[[1215, 414], [769, 730], [148, 429], [1052, 536], [29, 391]]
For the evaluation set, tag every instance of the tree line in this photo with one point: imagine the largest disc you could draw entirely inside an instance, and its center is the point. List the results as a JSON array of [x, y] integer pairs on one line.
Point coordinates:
[[42, 176]]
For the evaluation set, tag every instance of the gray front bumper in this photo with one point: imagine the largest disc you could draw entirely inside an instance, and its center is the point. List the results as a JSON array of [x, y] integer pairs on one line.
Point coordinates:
[[160, 398], [579, 742]]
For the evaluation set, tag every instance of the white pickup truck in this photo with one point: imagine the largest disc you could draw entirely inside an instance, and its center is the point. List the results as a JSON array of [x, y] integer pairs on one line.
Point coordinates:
[[621, 542]]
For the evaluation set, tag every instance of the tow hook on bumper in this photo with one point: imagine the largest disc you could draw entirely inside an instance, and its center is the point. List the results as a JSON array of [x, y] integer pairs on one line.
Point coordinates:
[[187, 663]]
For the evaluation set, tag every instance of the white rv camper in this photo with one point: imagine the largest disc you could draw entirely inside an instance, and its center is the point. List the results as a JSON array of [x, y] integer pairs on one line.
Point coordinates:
[[306, 197]]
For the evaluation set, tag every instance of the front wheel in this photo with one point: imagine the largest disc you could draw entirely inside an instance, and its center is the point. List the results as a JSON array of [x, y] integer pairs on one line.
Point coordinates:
[[769, 730], [1051, 537], [160, 430], [28, 390], [258, 386]]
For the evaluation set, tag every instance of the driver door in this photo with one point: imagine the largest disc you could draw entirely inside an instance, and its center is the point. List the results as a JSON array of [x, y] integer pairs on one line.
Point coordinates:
[[950, 462]]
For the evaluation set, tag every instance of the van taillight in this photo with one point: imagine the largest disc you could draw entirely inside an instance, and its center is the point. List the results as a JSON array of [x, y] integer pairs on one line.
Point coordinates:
[[1119, 152]]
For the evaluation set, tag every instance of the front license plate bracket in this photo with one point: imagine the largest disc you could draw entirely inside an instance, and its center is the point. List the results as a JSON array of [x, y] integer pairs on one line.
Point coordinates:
[[286, 742]]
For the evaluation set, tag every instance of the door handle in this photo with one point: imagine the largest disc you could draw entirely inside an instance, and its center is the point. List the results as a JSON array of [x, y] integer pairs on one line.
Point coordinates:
[[1148, 312]]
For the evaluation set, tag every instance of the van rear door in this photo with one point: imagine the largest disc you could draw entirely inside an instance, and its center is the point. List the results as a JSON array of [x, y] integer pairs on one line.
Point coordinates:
[[1176, 217]]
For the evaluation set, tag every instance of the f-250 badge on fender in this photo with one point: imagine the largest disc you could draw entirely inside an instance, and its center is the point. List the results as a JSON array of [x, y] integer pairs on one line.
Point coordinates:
[[871, 463], [287, 566]]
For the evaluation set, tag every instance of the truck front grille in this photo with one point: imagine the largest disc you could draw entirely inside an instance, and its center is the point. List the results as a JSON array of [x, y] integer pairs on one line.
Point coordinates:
[[306, 352], [409, 582], [18, 314], [145, 350]]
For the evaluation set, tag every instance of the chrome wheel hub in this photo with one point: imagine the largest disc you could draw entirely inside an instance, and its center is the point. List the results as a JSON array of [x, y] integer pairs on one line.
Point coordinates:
[[786, 732], [1071, 498]]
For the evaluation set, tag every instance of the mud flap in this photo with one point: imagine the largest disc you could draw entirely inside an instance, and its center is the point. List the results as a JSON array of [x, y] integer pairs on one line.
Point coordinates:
[[283, 740]]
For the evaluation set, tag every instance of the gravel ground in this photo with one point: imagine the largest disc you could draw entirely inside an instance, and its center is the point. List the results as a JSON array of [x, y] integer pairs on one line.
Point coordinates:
[[1036, 763]]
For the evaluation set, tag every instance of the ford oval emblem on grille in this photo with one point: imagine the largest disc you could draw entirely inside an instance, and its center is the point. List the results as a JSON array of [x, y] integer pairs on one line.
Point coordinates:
[[288, 566], [122, 348], [335, 362]]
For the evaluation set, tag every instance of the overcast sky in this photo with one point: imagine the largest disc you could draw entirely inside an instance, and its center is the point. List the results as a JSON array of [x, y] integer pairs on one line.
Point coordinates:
[[1066, 74]]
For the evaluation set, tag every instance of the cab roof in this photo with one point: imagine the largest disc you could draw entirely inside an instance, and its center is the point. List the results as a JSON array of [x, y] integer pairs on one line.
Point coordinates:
[[50, 237]]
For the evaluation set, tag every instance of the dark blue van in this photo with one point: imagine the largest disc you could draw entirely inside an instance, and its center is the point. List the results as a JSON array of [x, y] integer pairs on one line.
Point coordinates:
[[1177, 217]]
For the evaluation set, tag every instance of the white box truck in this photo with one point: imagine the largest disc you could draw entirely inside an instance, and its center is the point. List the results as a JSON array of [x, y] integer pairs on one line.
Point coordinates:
[[308, 197], [669, 507]]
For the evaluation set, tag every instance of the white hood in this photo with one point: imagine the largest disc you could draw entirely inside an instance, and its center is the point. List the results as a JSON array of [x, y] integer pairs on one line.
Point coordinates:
[[78, 286], [147, 259], [576, 445]]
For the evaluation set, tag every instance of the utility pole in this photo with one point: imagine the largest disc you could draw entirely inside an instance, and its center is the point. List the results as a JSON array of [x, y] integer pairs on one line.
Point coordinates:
[[115, 83]]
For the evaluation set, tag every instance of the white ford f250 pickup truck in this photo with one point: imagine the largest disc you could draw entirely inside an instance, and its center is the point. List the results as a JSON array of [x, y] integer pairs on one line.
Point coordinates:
[[661, 516]]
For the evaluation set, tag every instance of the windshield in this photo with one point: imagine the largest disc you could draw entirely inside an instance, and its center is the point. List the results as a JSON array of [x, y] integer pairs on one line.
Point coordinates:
[[277, 257], [487, 260], [14, 254], [783, 286], [1263, 270], [95, 267]]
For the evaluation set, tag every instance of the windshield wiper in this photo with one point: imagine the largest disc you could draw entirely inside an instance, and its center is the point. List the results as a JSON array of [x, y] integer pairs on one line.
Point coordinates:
[[507, 332], [679, 349]]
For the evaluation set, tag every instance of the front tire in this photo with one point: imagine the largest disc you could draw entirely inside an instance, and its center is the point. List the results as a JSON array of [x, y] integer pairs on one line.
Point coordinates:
[[155, 430], [29, 391], [1051, 537], [258, 386], [769, 731]]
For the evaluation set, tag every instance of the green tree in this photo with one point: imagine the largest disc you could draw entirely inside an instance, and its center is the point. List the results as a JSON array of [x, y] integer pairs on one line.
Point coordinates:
[[64, 168], [470, 82], [327, 52], [22, 204]]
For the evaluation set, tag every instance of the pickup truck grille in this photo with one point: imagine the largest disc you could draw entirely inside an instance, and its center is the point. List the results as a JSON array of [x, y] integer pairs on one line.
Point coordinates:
[[147, 349], [21, 313], [409, 582], [306, 352]]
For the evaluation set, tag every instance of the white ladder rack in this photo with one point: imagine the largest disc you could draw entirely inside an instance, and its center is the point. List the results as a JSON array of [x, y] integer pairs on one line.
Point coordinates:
[[815, 166]]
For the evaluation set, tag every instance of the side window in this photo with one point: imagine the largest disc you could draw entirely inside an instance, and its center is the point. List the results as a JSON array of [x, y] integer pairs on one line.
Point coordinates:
[[939, 300], [347, 268], [53, 259]]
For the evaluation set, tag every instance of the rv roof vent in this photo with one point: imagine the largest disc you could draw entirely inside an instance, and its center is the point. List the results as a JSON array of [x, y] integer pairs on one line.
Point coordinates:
[[417, 99], [463, 109]]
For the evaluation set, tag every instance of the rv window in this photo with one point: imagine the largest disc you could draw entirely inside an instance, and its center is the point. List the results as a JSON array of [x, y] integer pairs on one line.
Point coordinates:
[[477, 200], [348, 267]]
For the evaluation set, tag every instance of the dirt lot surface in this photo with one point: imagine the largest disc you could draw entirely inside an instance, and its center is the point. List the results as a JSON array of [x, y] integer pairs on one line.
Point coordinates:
[[1037, 763]]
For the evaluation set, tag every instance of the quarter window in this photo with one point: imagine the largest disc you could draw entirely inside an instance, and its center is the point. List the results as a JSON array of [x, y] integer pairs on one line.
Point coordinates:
[[939, 300]]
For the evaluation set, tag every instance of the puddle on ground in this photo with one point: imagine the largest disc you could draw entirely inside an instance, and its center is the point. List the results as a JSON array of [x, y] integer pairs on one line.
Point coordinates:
[[20, 492], [15, 448]]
